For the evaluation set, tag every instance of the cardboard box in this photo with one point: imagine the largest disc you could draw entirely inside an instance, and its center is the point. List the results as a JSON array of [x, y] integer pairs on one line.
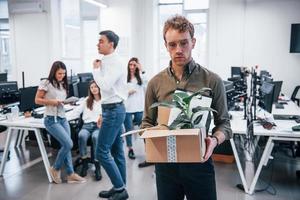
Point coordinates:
[[184, 145], [175, 146]]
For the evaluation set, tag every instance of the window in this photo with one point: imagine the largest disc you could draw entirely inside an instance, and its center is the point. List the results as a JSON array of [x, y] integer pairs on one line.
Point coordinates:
[[194, 10], [70, 21]]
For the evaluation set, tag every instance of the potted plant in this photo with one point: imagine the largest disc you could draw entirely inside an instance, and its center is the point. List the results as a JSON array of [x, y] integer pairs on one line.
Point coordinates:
[[189, 117]]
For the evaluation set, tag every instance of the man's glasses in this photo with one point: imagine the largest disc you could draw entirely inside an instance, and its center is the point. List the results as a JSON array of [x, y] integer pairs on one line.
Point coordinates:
[[182, 44]]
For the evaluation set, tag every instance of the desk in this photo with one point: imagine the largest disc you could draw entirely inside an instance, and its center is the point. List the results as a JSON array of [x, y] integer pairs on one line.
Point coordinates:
[[238, 126], [282, 132], [32, 124]]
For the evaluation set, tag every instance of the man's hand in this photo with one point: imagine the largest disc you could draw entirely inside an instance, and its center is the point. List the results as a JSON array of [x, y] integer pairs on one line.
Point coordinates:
[[99, 121], [97, 64], [211, 143], [139, 66]]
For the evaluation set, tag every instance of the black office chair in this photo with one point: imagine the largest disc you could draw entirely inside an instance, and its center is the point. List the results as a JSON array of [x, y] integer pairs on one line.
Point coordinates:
[[294, 94], [78, 164]]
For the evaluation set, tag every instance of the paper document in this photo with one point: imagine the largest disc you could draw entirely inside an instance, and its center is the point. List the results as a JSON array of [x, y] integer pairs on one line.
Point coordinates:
[[71, 100]]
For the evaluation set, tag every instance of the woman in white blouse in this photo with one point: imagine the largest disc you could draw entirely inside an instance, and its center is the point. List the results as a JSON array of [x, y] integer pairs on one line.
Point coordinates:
[[91, 111], [136, 98]]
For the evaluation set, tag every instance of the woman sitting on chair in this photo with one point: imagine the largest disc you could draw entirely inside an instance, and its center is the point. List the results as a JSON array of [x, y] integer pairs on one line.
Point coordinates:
[[91, 111]]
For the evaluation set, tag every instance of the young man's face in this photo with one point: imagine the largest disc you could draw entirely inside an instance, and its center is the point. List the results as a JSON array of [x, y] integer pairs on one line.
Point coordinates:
[[104, 45], [179, 46]]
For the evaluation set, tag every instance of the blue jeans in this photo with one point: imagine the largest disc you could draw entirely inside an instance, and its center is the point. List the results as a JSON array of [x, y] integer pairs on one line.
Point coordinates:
[[86, 131], [60, 130], [130, 120], [110, 145]]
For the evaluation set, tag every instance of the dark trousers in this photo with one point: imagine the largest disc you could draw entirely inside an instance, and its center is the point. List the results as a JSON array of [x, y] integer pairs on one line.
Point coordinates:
[[196, 181]]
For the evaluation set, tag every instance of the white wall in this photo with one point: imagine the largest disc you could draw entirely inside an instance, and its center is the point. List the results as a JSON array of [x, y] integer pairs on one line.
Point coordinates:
[[117, 17], [30, 47], [254, 32]]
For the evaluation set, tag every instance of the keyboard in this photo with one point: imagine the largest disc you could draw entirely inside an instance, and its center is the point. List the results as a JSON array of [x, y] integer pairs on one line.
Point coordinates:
[[286, 117], [279, 106]]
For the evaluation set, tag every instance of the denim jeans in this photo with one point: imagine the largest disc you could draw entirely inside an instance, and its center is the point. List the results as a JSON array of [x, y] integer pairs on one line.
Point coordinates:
[[110, 145], [87, 130], [59, 128], [196, 181], [130, 120]]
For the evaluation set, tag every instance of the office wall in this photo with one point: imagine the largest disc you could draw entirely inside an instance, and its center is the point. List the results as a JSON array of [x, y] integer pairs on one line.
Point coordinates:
[[30, 49], [254, 32]]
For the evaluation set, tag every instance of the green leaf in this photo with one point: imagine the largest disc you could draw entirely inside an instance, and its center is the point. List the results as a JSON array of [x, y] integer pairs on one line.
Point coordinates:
[[200, 108], [164, 104]]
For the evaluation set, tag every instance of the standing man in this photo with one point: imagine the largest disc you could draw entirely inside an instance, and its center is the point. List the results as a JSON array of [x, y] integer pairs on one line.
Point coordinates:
[[196, 181], [110, 75]]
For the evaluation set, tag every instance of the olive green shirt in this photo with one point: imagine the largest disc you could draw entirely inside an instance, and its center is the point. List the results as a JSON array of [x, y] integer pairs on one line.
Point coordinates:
[[164, 84]]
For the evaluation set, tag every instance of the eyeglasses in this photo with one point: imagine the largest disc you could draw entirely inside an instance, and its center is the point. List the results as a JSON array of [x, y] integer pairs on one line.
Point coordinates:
[[182, 44]]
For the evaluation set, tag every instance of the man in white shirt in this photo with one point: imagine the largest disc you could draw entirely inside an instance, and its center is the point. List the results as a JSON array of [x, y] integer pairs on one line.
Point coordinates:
[[110, 75]]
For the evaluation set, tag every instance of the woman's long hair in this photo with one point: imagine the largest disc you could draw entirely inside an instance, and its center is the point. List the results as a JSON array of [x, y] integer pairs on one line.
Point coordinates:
[[136, 73], [90, 99], [52, 78]]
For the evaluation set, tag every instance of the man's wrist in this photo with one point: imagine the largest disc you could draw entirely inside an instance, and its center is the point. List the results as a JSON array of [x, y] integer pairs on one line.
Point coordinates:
[[216, 138]]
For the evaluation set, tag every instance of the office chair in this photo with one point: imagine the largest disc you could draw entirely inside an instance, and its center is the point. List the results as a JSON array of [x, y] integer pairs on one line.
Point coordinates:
[[294, 95], [79, 161]]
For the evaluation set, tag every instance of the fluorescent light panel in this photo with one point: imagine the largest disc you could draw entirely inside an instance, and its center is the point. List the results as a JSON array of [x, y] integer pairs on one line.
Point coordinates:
[[102, 5]]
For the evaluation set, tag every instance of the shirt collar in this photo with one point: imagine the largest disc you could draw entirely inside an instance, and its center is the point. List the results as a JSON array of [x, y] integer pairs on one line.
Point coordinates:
[[109, 55], [188, 68]]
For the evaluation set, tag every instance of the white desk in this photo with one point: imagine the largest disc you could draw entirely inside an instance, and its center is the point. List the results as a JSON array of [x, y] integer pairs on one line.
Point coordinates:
[[238, 126], [27, 124], [282, 132]]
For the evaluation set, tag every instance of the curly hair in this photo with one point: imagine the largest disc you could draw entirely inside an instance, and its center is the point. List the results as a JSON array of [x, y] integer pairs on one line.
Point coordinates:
[[179, 23]]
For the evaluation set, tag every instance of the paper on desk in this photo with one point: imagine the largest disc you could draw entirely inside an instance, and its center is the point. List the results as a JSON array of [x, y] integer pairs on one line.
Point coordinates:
[[71, 100]]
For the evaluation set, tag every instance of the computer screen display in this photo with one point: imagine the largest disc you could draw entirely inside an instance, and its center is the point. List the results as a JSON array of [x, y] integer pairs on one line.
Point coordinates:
[[85, 77], [27, 99], [9, 92], [81, 89], [267, 96], [236, 72], [277, 89], [3, 77]]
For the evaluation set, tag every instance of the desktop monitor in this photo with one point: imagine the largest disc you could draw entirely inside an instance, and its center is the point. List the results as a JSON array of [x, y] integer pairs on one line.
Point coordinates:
[[9, 92], [81, 89], [266, 78], [85, 77], [236, 72], [267, 96], [277, 90], [27, 99], [3, 77]]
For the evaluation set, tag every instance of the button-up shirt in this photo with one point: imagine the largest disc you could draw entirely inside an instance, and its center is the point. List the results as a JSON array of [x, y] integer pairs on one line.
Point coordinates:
[[111, 78], [162, 86]]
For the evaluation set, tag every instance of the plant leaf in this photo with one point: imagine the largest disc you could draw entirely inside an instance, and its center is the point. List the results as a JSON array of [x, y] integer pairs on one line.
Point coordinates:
[[201, 108], [164, 104]]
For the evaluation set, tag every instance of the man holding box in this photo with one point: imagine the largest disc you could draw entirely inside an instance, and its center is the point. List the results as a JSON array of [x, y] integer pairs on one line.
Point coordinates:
[[196, 181]]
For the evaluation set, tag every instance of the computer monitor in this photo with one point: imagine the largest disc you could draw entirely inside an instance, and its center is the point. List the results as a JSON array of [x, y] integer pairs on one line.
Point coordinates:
[[85, 77], [277, 90], [267, 96], [266, 78], [27, 99], [9, 92], [3, 77], [236, 72], [81, 89]]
